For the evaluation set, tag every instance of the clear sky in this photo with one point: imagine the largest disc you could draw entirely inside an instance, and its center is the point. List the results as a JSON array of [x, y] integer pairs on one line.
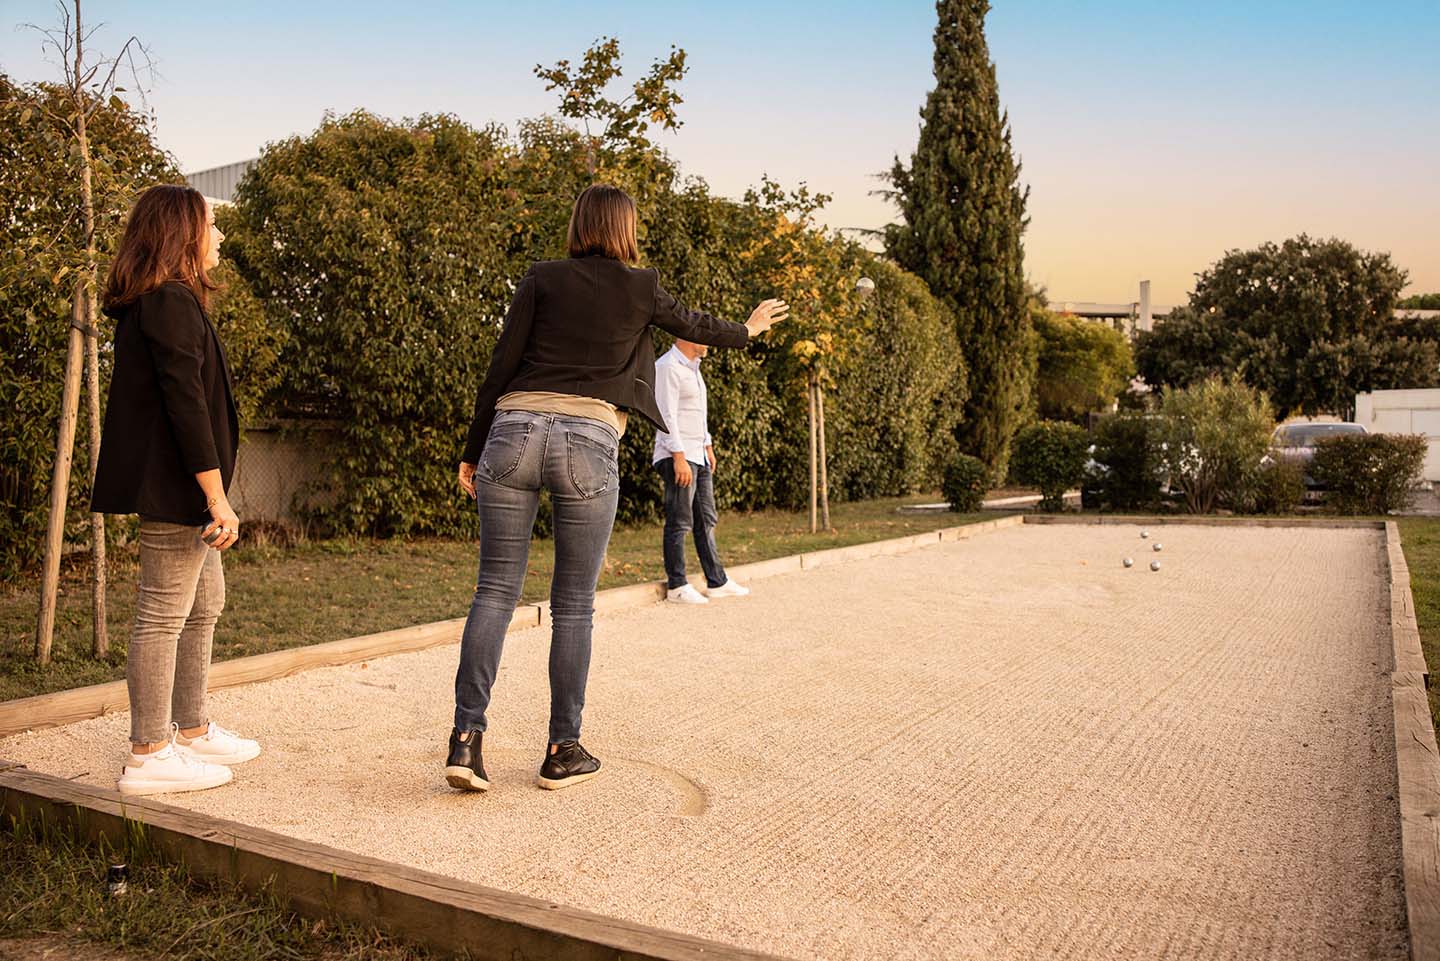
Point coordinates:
[[1154, 135]]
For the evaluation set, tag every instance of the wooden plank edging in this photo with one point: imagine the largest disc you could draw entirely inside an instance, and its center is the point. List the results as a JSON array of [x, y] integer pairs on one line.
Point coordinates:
[[1417, 761], [82, 703], [1206, 520], [318, 881]]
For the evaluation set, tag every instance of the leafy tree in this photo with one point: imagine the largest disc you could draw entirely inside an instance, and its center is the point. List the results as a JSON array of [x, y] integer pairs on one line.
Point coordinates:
[[963, 213], [1309, 322], [1083, 366], [1421, 302], [42, 251], [651, 101]]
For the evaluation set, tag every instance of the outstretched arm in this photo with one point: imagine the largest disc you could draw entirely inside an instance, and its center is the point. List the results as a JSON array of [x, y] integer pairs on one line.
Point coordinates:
[[699, 327]]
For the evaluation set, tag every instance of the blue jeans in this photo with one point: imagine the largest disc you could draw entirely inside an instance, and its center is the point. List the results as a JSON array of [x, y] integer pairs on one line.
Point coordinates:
[[686, 509], [575, 459]]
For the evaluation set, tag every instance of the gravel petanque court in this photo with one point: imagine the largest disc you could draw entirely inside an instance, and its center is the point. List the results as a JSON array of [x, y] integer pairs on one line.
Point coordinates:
[[1003, 747]]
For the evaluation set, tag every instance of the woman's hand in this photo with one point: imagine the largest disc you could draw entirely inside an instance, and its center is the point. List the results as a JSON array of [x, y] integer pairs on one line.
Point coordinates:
[[767, 315], [224, 530], [467, 478]]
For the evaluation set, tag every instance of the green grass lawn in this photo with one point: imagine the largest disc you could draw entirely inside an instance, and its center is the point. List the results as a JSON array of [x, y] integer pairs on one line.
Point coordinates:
[[1420, 537], [54, 896], [326, 590]]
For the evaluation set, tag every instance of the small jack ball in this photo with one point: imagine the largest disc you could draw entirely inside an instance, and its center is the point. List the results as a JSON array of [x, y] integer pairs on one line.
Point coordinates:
[[1157, 547], [1129, 562], [1144, 533], [1154, 565]]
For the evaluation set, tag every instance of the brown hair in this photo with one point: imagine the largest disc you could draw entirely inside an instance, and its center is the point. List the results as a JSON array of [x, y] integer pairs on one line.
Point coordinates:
[[603, 222], [164, 240]]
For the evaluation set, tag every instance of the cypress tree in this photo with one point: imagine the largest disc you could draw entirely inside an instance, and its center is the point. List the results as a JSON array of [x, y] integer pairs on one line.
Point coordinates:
[[963, 213]]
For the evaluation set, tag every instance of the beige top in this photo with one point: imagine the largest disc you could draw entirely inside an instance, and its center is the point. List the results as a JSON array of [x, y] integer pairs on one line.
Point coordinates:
[[571, 405]]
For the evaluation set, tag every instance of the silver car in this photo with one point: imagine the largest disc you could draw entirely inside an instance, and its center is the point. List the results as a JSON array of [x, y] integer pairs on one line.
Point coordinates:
[[1296, 443]]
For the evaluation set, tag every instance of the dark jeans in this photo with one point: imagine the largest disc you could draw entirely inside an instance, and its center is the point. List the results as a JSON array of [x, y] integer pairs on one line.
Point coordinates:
[[575, 459], [688, 508]]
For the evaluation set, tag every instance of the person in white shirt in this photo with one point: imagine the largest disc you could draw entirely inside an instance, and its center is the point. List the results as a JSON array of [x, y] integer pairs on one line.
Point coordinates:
[[685, 458]]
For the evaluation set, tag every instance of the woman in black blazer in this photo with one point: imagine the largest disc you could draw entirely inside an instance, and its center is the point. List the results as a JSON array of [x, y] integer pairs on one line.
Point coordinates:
[[167, 453], [573, 360]]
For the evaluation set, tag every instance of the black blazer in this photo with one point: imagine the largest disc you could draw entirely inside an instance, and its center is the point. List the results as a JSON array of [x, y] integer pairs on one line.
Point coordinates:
[[581, 326], [171, 412]]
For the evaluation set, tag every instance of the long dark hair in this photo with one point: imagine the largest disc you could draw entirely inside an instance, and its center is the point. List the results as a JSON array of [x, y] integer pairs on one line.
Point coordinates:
[[603, 222], [164, 240]]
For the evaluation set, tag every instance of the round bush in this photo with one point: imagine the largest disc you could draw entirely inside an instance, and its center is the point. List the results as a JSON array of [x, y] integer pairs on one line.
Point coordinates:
[[1369, 473], [1277, 488], [1051, 455], [965, 484]]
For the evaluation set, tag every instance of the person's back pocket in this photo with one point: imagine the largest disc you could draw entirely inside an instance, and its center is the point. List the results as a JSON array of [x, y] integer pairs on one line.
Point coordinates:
[[504, 448], [593, 464]]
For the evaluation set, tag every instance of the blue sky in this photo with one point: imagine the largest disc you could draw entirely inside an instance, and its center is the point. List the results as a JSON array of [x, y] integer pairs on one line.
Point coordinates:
[[1154, 136]]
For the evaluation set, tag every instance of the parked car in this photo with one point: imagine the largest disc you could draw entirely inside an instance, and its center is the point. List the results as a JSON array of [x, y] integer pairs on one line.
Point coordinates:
[[1296, 443]]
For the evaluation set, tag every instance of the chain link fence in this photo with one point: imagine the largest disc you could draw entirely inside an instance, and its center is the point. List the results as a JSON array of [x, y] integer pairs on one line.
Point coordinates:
[[280, 475]]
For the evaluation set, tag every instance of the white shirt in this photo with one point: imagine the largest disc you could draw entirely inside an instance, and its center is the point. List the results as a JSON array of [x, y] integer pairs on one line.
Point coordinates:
[[681, 397]]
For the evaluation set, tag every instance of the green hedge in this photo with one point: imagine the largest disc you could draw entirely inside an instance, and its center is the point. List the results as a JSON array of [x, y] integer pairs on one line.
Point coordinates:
[[1278, 487], [386, 253], [1129, 473], [1050, 455], [1369, 473], [368, 265]]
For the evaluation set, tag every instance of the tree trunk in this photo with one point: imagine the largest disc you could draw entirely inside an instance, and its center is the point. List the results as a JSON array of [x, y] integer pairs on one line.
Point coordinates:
[[100, 644], [60, 481], [810, 389], [824, 481]]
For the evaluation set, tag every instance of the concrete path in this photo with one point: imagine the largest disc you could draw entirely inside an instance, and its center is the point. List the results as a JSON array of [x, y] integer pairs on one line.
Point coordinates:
[[1006, 747]]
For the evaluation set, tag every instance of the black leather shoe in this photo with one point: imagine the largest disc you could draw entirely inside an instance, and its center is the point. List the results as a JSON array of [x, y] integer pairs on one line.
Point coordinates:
[[465, 768], [570, 764]]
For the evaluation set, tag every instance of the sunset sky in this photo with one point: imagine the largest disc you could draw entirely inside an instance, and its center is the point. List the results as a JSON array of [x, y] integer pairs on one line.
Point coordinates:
[[1154, 136]]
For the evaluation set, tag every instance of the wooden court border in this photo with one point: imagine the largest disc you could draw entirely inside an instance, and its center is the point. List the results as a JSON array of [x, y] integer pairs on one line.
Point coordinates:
[[318, 881]]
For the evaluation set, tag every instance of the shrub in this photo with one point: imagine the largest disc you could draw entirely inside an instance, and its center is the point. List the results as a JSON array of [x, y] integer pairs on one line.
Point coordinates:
[[965, 483], [1277, 487], [1051, 455], [1369, 473], [1130, 466], [1210, 439]]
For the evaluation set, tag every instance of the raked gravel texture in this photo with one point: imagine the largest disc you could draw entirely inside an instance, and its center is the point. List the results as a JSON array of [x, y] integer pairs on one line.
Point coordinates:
[[1004, 747]]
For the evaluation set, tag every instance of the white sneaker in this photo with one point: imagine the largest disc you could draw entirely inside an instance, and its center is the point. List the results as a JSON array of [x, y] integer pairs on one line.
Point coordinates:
[[219, 746], [728, 589], [170, 771], [686, 595]]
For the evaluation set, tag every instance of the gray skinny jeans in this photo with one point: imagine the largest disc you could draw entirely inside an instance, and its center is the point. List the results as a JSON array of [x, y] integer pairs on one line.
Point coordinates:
[[181, 595], [576, 460]]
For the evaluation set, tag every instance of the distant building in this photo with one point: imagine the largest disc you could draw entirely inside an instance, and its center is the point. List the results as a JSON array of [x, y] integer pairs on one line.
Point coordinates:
[[1126, 318], [1142, 315], [219, 183]]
